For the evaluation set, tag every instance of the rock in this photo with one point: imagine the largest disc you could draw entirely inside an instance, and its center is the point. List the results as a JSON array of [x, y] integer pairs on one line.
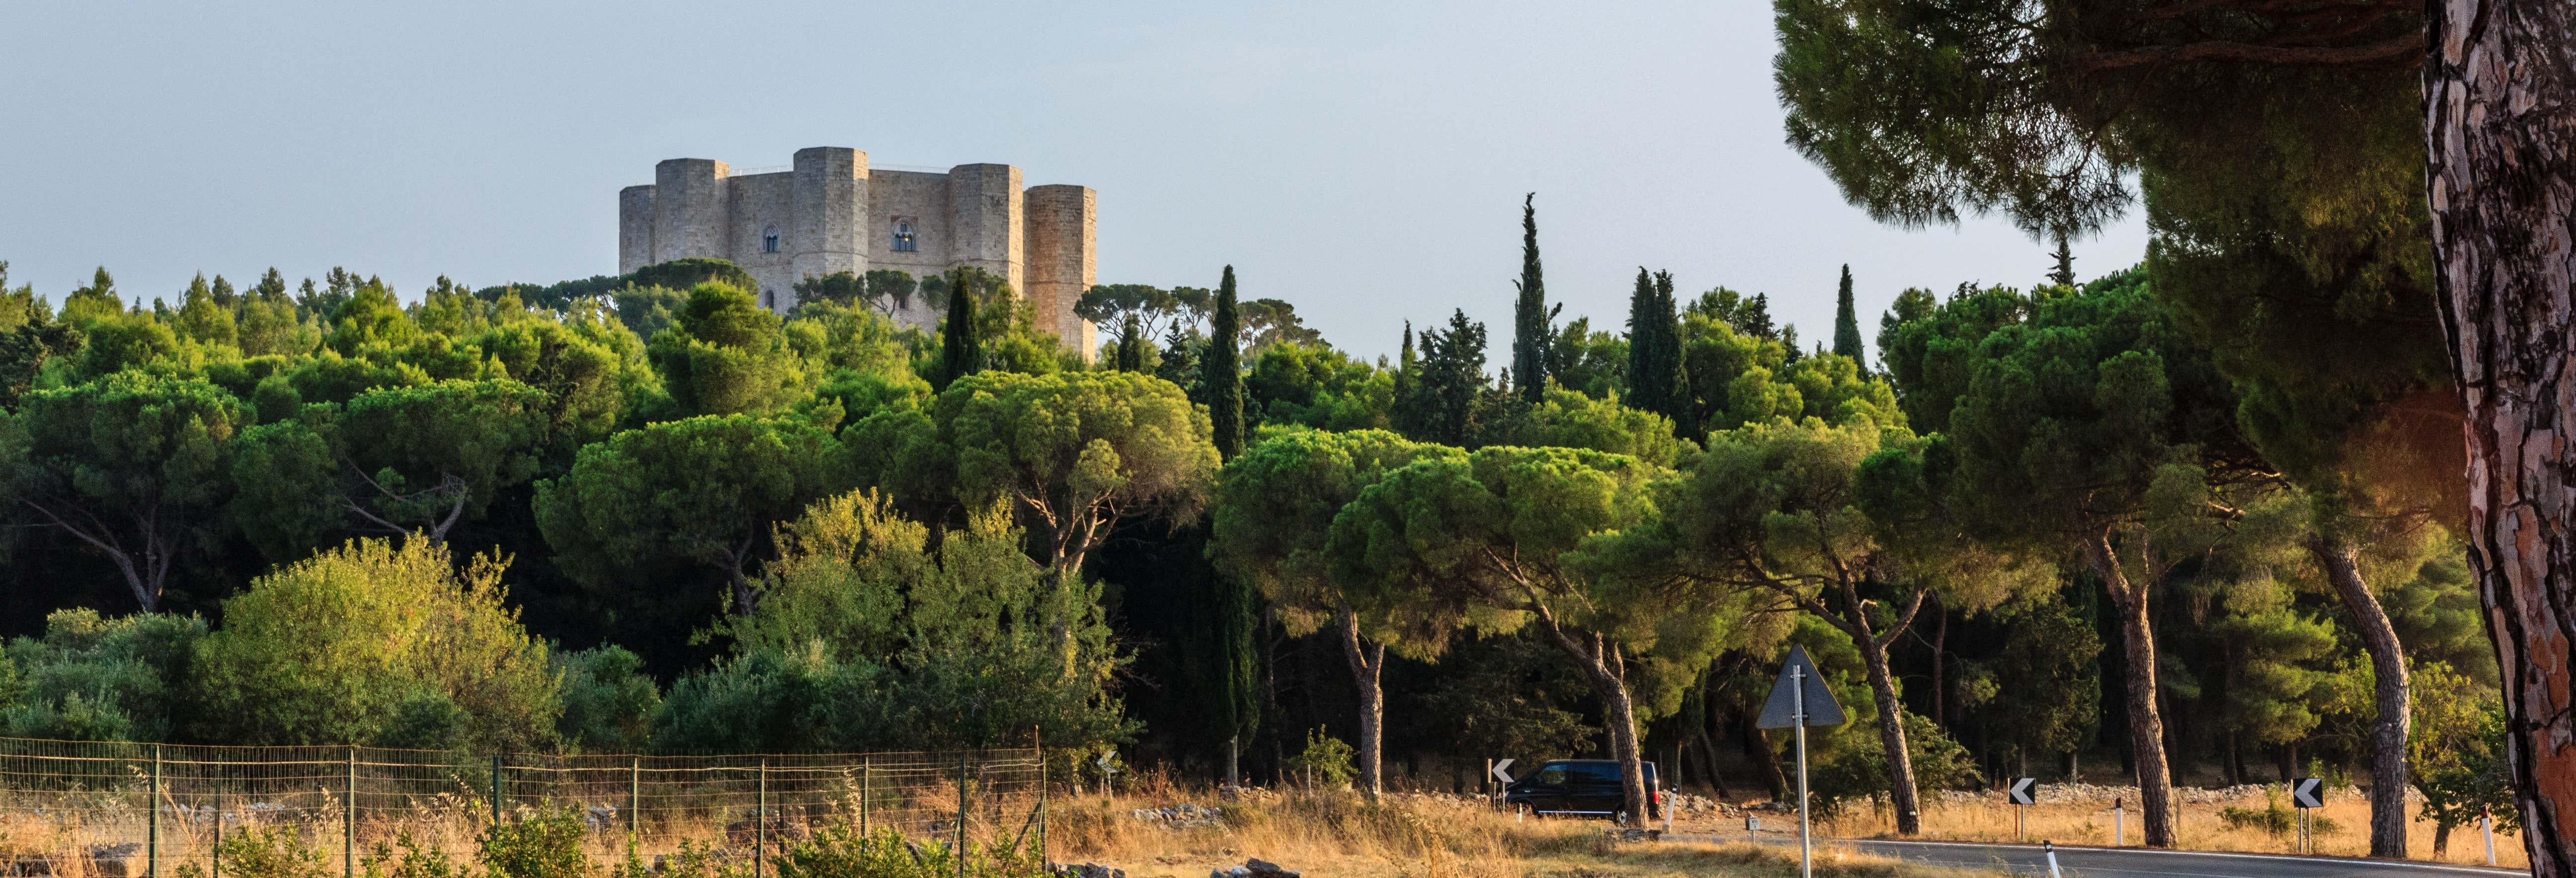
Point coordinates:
[[1085, 870], [116, 860], [1261, 868]]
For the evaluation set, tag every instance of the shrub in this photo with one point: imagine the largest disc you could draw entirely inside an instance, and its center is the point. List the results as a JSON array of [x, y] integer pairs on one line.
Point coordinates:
[[273, 852], [415, 862], [376, 643], [1326, 760], [608, 702], [94, 679], [843, 852], [547, 845], [2273, 819]]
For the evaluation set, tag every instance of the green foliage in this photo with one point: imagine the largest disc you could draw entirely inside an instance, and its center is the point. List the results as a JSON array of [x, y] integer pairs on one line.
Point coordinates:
[[1847, 341], [841, 851], [1655, 355], [871, 637], [1530, 314], [2275, 818], [131, 465], [2457, 752], [1568, 419], [1446, 399], [1319, 387], [365, 642], [416, 861], [279, 851], [705, 489], [1589, 362], [94, 679], [1072, 453], [545, 845], [608, 702], [1856, 770], [724, 355], [1275, 507], [1221, 372], [1326, 761]]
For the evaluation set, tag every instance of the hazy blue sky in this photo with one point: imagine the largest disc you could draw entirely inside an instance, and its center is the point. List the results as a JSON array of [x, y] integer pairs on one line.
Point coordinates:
[[1363, 160]]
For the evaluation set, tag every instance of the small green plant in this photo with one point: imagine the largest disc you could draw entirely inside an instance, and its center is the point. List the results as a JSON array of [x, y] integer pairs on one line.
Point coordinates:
[[273, 852], [844, 852], [544, 846], [2274, 819], [694, 860], [415, 861], [1326, 759]]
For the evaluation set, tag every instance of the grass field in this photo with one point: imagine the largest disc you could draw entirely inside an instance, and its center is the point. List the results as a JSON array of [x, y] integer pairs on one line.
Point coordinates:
[[2202, 827]]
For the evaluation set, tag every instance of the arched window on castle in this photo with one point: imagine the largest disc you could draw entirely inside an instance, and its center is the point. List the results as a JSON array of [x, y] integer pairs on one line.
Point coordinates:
[[769, 240], [903, 240]]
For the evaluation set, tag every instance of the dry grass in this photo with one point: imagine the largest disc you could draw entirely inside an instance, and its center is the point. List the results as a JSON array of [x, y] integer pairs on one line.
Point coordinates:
[[1340, 834], [2200, 829]]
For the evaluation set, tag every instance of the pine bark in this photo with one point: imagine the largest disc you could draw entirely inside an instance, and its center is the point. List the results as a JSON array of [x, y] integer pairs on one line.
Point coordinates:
[[1604, 668], [2393, 693], [2500, 139], [2146, 724], [1368, 668]]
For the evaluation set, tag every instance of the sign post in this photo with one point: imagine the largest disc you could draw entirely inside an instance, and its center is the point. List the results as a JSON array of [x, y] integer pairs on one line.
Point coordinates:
[[1799, 699], [2306, 793], [2019, 794], [1498, 773], [2118, 838]]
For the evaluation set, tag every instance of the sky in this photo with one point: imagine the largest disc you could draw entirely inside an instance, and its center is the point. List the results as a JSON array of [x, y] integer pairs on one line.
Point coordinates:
[[1364, 161]]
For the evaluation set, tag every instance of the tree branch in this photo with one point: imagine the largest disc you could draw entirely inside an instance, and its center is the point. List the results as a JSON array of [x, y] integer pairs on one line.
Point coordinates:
[[2408, 48]]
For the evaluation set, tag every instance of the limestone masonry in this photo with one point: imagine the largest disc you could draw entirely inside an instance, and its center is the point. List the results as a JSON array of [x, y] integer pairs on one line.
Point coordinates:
[[830, 213]]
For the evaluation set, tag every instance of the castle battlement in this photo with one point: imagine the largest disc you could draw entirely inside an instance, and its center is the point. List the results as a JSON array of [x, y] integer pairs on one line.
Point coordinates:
[[830, 213]]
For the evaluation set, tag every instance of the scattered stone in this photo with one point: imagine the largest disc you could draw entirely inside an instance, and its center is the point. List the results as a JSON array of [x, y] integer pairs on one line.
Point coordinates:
[[1181, 816], [1085, 870], [1632, 833], [1254, 868], [31, 867], [117, 860]]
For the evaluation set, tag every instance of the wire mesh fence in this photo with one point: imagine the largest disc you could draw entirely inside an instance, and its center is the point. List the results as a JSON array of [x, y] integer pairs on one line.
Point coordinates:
[[119, 810]]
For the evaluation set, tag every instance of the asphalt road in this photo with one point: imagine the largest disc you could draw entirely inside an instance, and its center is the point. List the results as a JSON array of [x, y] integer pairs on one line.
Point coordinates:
[[2136, 862]]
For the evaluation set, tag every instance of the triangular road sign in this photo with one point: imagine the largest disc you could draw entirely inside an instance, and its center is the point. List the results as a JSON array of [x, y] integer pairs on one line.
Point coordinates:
[[1798, 673]]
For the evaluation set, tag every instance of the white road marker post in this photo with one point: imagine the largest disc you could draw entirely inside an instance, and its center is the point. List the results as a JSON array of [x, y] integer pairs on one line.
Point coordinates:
[[2486, 825], [1806, 848], [2050, 848], [2119, 838]]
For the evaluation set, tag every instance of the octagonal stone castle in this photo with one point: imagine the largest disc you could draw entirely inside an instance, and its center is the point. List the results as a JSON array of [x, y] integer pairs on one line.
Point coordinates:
[[830, 213]]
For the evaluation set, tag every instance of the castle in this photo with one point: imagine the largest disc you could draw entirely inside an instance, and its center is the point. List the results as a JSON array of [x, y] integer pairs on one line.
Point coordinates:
[[831, 213]]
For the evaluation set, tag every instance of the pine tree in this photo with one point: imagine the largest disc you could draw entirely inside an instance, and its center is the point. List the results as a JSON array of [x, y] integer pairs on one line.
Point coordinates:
[[1530, 315], [2064, 273], [1847, 324], [960, 354], [1221, 373]]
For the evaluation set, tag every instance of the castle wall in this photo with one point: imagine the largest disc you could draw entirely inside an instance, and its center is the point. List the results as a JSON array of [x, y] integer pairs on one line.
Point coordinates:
[[689, 216], [832, 213], [634, 228], [984, 210], [1062, 225]]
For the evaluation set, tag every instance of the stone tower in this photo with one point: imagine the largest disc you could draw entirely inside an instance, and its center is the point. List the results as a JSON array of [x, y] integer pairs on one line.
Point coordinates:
[[830, 213]]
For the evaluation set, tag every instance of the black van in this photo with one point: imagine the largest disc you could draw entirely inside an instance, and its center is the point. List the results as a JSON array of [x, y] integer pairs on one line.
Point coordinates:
[[1579, 788]]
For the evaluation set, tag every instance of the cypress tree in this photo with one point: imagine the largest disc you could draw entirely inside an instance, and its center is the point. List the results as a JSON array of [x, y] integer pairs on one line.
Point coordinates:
[[1131, 345], [1530, 332], [1645, 334], [960, 354], [1672, 401], [1847, 324], [1221, 373], [2064, 273]]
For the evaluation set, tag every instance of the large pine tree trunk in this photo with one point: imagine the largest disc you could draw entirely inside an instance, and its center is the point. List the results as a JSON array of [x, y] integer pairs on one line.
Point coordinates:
[[1891, 736], [1368, 666], [2500, 138], [2393, 694], [1605, 669], [1766, 758], [2146, 725]]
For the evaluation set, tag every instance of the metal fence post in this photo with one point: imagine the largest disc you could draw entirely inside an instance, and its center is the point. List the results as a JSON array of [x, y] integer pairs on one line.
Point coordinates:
[[349, 820], [760, 837], [634, 803], [1037, 743], [152, 831], [496, 791], [215, 857], [961, 815], [867, 772]]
